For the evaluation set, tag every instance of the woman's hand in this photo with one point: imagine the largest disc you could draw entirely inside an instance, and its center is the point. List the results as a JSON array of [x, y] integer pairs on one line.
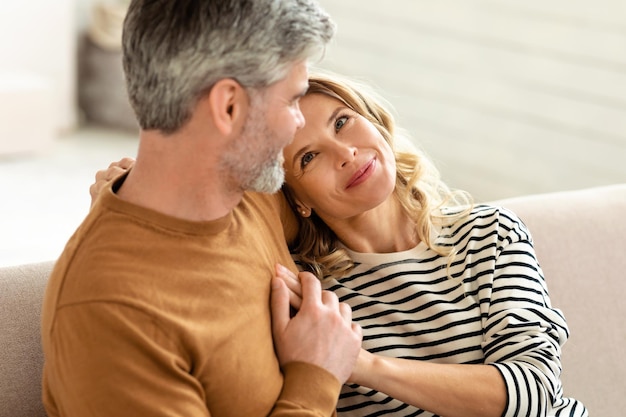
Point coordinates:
[[365, 359], [293, 283], [104, 176]]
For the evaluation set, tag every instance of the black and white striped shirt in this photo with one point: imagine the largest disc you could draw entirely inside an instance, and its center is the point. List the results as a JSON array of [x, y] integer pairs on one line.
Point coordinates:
[[492, 308]]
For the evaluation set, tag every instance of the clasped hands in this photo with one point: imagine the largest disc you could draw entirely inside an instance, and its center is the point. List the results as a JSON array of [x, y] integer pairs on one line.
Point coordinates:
[[323, 317]]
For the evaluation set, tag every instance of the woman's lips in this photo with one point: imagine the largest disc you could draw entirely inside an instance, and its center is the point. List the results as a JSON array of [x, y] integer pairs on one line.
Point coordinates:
[[362, 174]]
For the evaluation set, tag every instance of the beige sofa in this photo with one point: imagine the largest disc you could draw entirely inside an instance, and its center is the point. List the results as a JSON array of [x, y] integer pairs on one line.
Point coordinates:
[[580, 238]]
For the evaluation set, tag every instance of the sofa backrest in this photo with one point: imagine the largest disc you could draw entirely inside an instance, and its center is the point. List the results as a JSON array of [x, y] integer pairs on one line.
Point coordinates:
[[580, 239], [21, 357]]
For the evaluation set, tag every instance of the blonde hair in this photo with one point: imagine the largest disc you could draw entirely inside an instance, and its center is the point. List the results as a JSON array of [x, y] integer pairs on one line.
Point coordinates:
[[419, 188]]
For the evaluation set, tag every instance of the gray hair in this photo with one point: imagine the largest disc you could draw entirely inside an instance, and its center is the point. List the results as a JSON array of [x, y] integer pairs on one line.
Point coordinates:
[[174, 51]]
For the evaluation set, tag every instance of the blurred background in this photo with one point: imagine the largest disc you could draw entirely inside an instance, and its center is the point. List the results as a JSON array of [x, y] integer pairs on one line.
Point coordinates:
[[508, 97]]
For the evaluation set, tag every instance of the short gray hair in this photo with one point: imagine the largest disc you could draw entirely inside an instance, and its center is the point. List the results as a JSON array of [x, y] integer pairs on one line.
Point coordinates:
[[174, 51]]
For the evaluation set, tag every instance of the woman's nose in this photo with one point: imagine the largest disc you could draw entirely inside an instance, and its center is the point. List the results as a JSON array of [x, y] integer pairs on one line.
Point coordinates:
[[347, 154]]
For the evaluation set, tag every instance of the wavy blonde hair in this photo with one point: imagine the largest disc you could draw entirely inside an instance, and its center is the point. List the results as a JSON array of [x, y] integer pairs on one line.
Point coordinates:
[[419, 188]]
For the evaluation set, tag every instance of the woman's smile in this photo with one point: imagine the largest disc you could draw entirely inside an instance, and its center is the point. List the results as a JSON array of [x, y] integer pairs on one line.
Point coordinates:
[[362, 174]]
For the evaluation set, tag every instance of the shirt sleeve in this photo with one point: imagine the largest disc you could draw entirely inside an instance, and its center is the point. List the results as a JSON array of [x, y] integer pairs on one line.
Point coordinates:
[[523, 332]]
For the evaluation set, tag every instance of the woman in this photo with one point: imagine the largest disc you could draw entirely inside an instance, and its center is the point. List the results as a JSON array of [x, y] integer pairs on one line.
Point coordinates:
[[452, 290], [454, 309]]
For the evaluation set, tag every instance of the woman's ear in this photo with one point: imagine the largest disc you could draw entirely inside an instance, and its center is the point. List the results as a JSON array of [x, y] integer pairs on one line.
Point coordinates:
[[303, 210], [228, 104]]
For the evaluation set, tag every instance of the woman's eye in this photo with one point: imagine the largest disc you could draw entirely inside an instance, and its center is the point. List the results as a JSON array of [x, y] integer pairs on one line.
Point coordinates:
[[306, 158], [340, 122]]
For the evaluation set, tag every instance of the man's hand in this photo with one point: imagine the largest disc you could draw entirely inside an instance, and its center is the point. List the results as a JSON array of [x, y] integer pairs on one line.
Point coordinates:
[[104, 176], [321, 332]]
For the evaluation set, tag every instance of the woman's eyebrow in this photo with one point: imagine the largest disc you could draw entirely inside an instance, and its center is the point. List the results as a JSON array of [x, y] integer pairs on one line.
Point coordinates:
[[333, 115], [298, 154]]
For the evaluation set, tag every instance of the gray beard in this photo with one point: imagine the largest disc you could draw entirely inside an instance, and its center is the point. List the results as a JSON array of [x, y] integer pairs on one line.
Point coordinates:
[[264, 177], [269, 178], [249, 163]]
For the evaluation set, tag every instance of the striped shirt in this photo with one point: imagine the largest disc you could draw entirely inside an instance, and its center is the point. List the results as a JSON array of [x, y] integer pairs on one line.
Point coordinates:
[[491, 306]]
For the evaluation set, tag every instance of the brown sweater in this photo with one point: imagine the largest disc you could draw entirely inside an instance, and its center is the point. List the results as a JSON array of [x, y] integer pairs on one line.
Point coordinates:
[[149, 315]]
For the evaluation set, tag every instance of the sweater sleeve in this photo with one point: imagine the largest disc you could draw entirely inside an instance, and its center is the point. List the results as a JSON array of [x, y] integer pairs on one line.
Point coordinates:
[[523, 333], [308, 391]]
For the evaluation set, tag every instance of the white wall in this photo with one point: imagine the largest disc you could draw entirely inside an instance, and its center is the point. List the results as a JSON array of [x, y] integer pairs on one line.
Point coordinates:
[[38, 37], [38, 70], [508, 96]]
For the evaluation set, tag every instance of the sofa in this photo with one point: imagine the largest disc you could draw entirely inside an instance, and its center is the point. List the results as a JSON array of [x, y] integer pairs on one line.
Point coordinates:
[[580, 239]]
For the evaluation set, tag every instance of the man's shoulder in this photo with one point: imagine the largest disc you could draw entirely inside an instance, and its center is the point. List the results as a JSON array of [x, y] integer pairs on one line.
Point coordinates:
[[276, 207], [275, 199], [268, 206]]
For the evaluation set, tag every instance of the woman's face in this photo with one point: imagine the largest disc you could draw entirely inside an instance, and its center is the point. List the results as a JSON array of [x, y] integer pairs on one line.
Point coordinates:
[[338, 164]]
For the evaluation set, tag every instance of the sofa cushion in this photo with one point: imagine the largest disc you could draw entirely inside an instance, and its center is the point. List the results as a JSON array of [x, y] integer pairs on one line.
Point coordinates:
[[21, 293]]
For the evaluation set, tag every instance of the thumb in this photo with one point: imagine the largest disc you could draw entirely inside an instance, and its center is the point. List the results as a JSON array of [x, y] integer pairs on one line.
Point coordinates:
[[279, 304]]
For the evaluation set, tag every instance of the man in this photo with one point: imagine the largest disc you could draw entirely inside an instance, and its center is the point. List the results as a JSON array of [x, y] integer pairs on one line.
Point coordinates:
[[159, 305]]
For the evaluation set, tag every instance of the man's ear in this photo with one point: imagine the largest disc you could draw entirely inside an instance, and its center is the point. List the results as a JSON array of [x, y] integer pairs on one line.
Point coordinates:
[[228, 104]]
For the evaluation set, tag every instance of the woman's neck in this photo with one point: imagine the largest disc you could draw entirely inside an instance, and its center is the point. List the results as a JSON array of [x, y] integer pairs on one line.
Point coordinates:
[[384, 229]]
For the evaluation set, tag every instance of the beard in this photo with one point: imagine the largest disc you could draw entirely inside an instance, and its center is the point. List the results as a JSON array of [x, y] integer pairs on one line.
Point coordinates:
[[269, 178], [253, 162]]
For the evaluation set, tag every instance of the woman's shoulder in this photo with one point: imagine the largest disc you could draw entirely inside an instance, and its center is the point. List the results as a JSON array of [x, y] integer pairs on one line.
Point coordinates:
[[501, 213], [484, 219]]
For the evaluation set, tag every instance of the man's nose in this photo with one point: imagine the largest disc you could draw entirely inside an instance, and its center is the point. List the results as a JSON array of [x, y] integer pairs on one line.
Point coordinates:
[[300, 122]]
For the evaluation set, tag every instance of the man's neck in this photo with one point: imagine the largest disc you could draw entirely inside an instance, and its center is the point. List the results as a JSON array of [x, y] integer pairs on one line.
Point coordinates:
[[174, 176]]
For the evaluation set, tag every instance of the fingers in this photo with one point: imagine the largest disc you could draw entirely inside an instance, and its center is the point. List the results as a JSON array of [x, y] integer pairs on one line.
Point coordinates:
[[321, 333], [345, 311], [295, 292], [101, 175], [124, 163], [104, 176], [115, 169], [357, 330], [94, 190], [293, 284], [292, 281], [310, 285], [331, 300], [279, 305], [311, 289]]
